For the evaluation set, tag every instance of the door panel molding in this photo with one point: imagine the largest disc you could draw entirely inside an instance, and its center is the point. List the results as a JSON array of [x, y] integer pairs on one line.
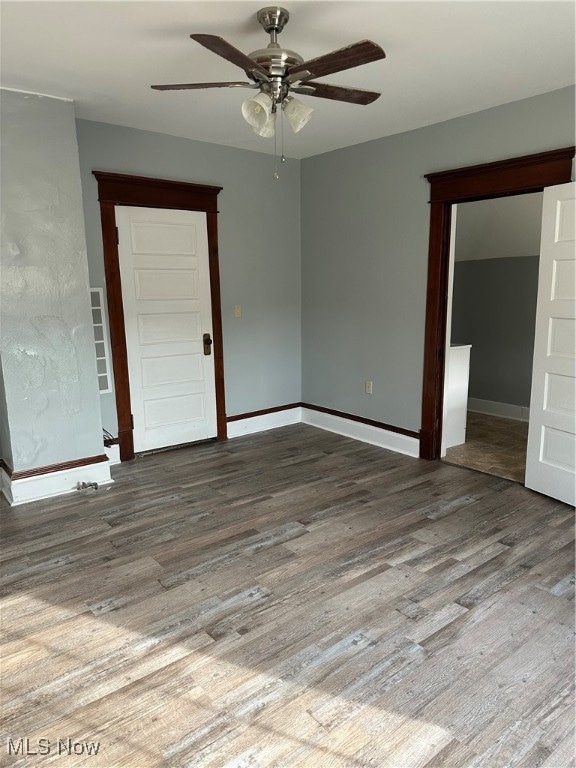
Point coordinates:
[[551, 451], [515, 176], [147, 192]]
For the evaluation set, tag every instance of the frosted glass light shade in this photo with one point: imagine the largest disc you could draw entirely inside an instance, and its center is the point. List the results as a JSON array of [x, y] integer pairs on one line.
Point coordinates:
[[269, 128], [257, 111], [297, 114]]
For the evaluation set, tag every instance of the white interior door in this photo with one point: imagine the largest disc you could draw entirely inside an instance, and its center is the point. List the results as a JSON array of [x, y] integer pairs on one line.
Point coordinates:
[[165, 277], [551, 457]]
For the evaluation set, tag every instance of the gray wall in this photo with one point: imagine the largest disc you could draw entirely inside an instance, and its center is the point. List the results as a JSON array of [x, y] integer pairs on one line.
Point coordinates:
[[47, 341], [5, 443], [500, 228], [259, 244], [494, 309], [365, 225]]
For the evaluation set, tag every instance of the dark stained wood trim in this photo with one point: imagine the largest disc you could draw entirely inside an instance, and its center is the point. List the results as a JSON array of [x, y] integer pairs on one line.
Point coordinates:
[[74, 464], [120, 189], [117, 331], [331, 411], [148, 192], [218, 346], [263, 412], [362, 420], [519, 175], [435, 332], [516, 176], [6, 467]]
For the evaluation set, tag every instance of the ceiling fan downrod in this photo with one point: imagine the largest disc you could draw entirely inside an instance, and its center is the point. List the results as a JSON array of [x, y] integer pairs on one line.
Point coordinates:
[[274, 59], [273, 19]]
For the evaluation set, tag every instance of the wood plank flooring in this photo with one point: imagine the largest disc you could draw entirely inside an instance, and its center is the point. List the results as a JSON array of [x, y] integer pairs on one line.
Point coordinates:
[[290, 599]]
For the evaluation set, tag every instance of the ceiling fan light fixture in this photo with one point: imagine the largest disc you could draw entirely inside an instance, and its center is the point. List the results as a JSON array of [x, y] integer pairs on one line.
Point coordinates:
[[297, 113], [268, 129], [274, 72], [257, 111]]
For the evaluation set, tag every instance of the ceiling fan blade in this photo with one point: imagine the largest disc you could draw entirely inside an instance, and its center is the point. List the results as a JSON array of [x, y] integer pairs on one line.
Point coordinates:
[[219, 46], [353, 55], [195, 86], [336, 92]]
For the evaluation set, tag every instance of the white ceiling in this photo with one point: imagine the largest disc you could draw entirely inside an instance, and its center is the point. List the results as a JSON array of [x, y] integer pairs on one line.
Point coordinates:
[[444, 59]]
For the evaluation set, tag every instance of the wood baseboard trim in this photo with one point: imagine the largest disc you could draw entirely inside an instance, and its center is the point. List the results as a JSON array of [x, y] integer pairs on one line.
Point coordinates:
[[263, 412], [66, 465], [362, 420], [501, 410], [56, 480], [359, 429], [261, 421]]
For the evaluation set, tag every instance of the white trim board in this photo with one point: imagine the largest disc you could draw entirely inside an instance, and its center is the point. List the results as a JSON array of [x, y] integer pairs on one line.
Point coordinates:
[[365, 433], [253, 424], [51, 484], [113, 453], [504, 410]]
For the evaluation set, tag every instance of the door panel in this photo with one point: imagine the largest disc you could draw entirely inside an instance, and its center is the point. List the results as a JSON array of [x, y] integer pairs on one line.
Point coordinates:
[[166, 284], [551, 457], [166, 297]]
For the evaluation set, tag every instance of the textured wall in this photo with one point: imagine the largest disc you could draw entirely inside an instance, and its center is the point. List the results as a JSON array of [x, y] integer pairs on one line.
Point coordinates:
[[259, 245], [5, 443], [365, 227], [494, 309], [47, 342]]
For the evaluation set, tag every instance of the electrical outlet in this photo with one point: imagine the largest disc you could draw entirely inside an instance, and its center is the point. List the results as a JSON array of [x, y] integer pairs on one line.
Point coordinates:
[[237, 310], [368, 387]]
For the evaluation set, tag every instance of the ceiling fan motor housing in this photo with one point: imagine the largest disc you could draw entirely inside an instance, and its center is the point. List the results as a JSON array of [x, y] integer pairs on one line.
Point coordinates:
[[275, 59]]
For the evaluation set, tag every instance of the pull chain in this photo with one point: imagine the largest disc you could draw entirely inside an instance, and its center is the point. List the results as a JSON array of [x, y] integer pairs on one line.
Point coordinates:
[[282, 158], [276, 175]]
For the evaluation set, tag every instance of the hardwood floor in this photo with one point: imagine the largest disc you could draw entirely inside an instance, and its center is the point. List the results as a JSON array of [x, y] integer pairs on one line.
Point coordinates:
[[292, 599]]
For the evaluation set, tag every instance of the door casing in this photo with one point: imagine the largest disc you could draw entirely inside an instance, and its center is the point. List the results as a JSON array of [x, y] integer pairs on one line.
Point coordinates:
[[517, 176], [121, 189]]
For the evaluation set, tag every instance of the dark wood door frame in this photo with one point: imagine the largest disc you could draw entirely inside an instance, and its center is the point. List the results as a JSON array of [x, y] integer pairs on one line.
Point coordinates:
[[120, 189], [517, 176]]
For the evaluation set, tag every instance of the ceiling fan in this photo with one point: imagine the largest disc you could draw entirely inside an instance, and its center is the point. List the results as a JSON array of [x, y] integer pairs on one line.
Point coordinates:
[[277, 72]]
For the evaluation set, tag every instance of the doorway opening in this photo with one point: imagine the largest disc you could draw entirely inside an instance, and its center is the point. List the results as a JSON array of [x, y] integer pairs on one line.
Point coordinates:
[[491, 322], [517, 176]]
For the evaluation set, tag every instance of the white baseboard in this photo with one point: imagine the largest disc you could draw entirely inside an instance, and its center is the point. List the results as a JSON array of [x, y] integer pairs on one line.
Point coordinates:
[[267, 421], [37, 487], [113, 453], [393, 441], [505, 410]]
